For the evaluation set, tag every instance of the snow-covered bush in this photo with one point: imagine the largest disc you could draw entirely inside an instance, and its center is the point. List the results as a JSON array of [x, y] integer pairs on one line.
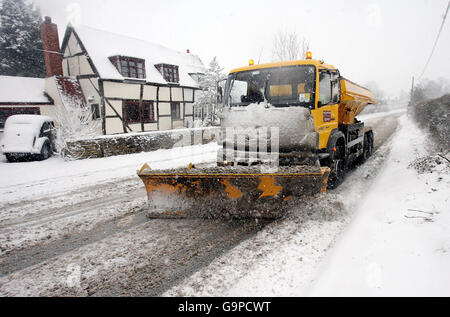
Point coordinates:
[[434, 116], [74, 119], [288, 46]]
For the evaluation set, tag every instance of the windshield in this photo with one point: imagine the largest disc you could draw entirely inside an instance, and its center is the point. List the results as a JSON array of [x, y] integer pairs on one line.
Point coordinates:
[[281, 87]]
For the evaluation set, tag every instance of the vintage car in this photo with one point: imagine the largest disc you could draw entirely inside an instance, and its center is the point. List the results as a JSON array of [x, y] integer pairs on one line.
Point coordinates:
[[28, 137]]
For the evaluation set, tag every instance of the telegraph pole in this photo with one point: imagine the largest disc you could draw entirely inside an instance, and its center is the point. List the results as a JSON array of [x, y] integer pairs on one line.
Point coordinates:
[[412, 92]]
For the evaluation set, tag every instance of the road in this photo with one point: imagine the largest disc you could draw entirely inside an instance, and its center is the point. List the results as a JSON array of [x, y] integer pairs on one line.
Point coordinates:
[[97, 241]]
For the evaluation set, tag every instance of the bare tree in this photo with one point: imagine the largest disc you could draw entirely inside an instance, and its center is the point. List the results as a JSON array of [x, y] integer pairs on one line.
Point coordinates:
[[288, 45]]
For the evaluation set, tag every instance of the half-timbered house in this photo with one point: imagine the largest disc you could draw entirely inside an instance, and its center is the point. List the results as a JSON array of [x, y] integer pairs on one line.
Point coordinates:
[[131, 85]]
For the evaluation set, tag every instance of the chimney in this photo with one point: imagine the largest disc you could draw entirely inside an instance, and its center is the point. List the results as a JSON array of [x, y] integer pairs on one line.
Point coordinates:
[[50, 43], [188, 51]]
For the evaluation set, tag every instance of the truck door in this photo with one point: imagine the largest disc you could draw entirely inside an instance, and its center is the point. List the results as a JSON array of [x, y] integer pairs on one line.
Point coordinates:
[[326, 116]]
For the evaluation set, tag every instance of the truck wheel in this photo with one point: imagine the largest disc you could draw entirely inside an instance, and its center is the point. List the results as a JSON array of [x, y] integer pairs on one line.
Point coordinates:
[[368, 146], [337, 164]]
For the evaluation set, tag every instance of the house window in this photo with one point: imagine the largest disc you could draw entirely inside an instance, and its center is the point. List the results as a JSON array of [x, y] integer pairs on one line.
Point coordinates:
[[170, 72], [132, 113], [175, 110], [129, 67], [148, 112], [95, 109]]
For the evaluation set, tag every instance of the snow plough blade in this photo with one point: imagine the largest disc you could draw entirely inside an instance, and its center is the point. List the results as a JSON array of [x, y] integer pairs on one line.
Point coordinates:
[[229, 192]]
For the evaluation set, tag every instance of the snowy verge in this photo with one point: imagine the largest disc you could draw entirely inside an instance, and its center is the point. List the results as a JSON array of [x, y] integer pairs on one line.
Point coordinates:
[[399, 242], [31, 180]]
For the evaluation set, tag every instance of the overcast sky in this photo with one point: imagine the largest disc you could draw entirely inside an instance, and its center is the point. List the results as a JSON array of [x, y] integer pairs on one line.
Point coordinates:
[[385, 41]]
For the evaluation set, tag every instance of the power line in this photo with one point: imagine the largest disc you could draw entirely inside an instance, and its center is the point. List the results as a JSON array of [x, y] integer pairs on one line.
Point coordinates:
[[45, 51], [437, 39]]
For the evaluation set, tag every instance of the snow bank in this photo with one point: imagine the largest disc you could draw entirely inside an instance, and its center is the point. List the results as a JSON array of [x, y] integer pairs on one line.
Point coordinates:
[[31, 180], [399, 243]]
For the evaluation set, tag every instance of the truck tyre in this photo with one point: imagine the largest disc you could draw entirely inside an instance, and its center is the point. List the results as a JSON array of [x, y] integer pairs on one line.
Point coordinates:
[[368, 146], [337, 164]]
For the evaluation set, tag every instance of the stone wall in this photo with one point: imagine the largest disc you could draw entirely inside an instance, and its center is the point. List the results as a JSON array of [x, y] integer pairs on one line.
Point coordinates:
[[106, 146]]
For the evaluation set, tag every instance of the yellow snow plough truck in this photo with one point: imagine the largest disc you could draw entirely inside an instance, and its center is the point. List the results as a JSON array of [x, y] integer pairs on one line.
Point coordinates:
[[288, 130]]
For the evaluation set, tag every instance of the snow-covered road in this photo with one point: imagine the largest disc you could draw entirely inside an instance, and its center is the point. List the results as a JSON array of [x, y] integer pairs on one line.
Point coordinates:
[[384, 232], [84, 232], [283, 259]]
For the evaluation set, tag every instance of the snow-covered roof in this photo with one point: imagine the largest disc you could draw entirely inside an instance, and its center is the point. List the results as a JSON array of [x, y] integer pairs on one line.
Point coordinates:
[[22, 90], [101, 45]]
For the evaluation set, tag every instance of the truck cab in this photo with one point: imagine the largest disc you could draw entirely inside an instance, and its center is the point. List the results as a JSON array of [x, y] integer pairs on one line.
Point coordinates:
[[313, 107]]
